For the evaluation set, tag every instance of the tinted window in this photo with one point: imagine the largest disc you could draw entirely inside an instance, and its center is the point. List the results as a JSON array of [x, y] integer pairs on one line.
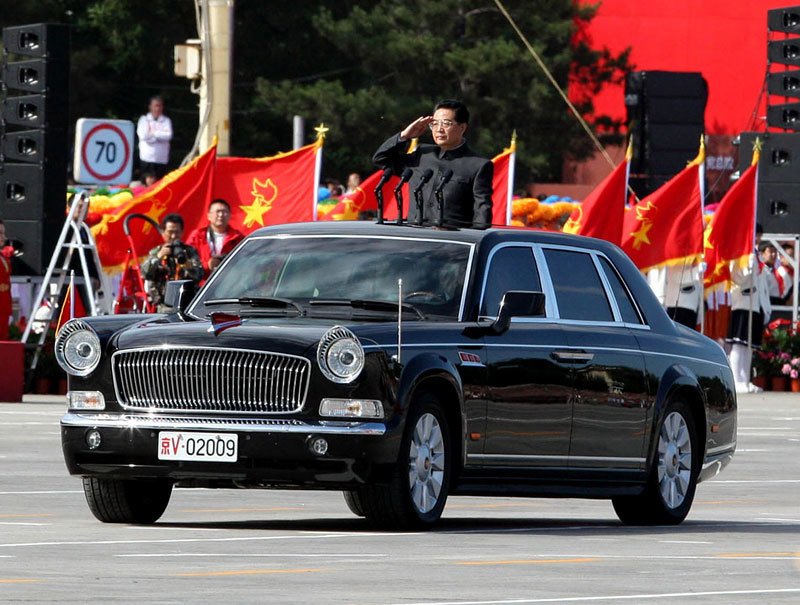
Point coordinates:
[[579, 291], [307, 268], [624, 302], [511, 268]]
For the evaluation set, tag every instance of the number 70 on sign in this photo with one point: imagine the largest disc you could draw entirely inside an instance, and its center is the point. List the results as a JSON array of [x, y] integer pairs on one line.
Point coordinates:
[[103, 151]]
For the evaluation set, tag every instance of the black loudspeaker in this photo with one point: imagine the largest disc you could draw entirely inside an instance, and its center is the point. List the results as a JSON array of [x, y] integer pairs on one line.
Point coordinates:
[[786, 20], [778, 195], [666, 118], [784, 83], [36, 240], [34, 142]]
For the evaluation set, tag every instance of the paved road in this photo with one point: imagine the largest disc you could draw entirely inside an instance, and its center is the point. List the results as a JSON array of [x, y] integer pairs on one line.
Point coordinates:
[[740, 544]]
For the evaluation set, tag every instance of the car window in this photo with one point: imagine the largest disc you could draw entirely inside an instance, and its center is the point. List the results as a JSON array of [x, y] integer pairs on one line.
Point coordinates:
[[626, 307], [578, 289], [510, 268], [303, 269]]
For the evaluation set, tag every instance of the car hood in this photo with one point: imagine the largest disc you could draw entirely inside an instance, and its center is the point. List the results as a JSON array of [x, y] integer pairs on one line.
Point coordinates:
[[262, 334]]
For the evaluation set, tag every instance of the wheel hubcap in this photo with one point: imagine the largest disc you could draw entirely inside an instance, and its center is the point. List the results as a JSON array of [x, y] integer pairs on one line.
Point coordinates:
[[426, 463], [674, 460]]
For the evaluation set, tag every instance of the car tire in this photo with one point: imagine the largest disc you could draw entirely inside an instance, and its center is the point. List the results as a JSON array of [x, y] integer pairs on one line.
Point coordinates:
[[416, 495], [138, 501], [671, 485], [353, 500]]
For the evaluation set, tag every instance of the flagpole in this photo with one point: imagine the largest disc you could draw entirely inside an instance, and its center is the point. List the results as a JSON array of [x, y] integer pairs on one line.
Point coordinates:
[[510, 193], [702, 176], [320, 130], [72, 294]]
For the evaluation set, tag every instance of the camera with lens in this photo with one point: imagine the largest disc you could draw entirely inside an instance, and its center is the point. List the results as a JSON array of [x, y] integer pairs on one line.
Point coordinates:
[[178, 252]]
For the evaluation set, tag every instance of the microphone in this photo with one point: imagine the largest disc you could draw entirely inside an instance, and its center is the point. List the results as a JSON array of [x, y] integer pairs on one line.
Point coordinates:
[[398, 193], [387, 174], [447, 174], [426, 176]]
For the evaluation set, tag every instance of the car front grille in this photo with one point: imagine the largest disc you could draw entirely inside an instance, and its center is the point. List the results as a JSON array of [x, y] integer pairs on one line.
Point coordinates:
[[210, 380]]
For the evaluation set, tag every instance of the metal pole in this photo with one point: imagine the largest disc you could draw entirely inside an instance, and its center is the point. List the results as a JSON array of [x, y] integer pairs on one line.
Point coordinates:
[[298, 131]]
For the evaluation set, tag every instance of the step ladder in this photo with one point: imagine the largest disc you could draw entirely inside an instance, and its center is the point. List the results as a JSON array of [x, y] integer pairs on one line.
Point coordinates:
[[76, 239]]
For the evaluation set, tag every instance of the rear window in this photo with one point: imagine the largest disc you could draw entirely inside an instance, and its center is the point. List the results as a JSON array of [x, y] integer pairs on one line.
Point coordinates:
[[578, 288]]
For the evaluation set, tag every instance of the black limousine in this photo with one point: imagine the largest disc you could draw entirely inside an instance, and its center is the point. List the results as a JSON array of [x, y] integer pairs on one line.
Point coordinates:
[[401, 364]]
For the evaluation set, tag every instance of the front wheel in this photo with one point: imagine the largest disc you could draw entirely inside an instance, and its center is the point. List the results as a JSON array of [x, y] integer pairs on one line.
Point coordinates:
[[139, 501], [417, 493], [673, 478]]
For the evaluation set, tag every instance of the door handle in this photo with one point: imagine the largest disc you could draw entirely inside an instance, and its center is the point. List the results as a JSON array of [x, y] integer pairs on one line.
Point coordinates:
[[572, 356]]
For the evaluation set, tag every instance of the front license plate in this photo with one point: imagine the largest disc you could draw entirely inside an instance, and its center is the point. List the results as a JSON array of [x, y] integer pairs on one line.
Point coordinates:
[[204, 447]]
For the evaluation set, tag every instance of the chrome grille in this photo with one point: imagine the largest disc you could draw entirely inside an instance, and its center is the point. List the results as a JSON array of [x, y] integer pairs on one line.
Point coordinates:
[[210, 380]]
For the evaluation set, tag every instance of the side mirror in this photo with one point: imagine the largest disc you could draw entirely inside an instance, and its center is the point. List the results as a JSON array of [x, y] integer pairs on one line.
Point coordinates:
[[179, 294], [517, 303]]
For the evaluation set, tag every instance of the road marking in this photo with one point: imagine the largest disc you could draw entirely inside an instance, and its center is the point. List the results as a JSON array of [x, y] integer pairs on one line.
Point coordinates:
[[17, 581], [245, 572], [730, 481], [685, 542], [632, 597], [254, 555], [533, 561], [25, 524], [25, 516], [240, 510], [39, 493], [760, 555]]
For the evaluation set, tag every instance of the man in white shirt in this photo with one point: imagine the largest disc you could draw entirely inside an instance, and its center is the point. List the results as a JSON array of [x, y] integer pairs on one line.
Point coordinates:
[[155, 132]]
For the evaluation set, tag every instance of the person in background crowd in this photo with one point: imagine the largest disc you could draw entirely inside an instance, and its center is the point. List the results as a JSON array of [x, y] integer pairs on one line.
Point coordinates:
[[353, 181], [155, 132], [170, 261], [218, 238], [774, 280], [786, 271], [748, 293], [679, 289], [6, 252], [334, 188], [468, 195]]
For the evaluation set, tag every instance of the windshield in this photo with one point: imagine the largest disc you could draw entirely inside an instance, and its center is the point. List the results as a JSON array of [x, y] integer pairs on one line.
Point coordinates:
[[307, 270]]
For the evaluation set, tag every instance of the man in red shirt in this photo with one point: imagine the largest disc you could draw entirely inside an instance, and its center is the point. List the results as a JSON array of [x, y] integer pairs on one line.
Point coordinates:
[[217, 239]]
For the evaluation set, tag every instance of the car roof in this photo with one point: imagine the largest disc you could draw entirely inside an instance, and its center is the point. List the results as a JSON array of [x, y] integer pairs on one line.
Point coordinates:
[[483, 236]]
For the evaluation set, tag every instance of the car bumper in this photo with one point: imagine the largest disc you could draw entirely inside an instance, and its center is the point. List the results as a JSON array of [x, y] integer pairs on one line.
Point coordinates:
[[271, 453], [715, 460]]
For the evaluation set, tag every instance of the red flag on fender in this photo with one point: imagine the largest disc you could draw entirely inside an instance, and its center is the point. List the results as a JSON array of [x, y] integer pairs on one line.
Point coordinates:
[[71, 307], [666, 227], [186, 191], [271, 190], [600, 214]]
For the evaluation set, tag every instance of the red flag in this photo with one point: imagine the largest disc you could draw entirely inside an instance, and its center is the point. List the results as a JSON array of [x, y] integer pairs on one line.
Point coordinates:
[[666, 227], [268, 191], [600, 214], [186, 191], [71, 306], [729, 237], [363, 199], [503, 183]]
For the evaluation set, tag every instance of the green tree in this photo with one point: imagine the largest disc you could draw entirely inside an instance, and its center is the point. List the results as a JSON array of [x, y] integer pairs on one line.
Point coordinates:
[[398, 58]]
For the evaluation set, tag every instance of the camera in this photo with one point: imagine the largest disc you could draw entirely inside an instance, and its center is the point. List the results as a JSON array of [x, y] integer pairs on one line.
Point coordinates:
[[178, 252]]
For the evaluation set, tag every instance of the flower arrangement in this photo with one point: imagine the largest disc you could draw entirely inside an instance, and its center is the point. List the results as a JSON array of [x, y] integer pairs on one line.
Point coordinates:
[[780, 350]]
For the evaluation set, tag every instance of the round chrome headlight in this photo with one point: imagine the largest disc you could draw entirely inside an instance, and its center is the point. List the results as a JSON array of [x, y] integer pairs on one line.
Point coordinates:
[[77, 348], [340, 356]]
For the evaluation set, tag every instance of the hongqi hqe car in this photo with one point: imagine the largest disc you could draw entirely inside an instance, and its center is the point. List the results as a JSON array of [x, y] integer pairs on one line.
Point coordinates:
[[399, 365]]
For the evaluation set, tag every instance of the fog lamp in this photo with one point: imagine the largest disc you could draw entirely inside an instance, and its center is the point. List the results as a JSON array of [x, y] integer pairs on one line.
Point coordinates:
[[93, 439], [351, 408], [318, 446]]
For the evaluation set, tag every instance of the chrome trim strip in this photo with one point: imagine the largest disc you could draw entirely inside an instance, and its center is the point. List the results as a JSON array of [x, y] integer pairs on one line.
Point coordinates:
[[518, 457], [144, 422], [204, 392], [721, 449]]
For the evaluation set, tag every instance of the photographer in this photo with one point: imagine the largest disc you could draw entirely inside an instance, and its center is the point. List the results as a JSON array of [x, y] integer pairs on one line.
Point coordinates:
[[170, 261]]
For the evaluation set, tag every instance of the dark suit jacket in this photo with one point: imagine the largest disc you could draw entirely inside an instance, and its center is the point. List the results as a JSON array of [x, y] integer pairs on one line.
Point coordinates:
[[468, 195]]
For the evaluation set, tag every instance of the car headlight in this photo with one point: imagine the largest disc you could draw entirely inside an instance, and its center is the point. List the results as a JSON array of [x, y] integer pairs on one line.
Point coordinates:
[[77, 348], [340, 356]]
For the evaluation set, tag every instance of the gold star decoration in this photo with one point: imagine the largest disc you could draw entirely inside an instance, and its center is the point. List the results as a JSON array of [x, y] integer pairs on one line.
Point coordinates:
[[321, 130], [640, 235]]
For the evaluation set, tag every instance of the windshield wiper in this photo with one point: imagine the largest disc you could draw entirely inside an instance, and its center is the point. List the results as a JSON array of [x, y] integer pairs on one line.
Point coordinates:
[[261, 302], [367, 304]]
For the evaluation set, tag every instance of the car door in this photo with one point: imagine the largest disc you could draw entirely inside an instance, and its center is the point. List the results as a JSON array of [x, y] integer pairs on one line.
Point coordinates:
[[610, 401], [528, 390]]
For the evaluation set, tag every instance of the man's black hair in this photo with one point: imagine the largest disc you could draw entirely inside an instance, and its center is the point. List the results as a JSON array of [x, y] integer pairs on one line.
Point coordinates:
[[462, 113], [172, 218], [219, 200]]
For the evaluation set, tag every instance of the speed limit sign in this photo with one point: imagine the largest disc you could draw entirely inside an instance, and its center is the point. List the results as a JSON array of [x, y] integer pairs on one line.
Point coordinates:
[[103, 151]]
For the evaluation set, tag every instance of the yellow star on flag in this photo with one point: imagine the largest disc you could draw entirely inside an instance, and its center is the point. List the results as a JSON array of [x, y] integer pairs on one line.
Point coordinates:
[[640, 235], [254, 213]]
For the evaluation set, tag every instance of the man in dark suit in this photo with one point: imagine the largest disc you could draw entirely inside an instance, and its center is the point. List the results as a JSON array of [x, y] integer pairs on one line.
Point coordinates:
[[468, 195]]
